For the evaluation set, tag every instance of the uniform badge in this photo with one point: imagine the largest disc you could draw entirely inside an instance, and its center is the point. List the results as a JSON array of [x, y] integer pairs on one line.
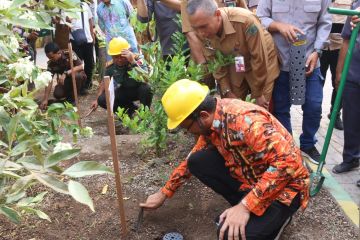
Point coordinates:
[[252, 30]]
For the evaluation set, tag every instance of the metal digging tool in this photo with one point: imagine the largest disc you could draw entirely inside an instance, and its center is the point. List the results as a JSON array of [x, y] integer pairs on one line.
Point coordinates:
[[317, 178]]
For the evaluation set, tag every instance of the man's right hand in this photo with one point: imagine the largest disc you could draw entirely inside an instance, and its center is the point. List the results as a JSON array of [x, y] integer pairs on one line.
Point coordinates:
[[33, 36], [289, 31], [154, 201], [230, 95], [337, 80], [354, 20], [43, 104], [94, 105]]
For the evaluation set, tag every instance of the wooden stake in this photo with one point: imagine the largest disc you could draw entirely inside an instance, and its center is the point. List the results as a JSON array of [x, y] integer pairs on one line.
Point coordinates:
[[115, 157], [74, 83]]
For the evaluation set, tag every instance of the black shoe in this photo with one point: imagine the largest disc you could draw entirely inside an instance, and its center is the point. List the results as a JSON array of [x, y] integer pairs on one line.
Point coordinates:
[[358, 183], [338, 122], [312, 154], [345, 167]]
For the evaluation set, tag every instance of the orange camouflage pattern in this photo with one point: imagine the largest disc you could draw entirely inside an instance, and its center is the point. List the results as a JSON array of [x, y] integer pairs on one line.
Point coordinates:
[[259, 152]]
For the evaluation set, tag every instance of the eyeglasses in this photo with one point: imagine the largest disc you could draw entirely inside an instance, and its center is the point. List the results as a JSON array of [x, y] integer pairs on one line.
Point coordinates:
[[189, 127]]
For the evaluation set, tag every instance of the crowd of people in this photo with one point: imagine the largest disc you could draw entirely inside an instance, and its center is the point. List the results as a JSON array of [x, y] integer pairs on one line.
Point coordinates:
[[245, 152]]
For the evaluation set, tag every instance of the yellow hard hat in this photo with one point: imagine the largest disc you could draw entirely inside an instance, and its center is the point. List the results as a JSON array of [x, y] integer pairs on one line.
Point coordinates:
[[116, 45], [181, 99]]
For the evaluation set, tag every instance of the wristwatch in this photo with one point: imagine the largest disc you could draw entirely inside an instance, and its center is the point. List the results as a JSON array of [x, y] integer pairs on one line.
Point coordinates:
[[226, 91], [319, 52]]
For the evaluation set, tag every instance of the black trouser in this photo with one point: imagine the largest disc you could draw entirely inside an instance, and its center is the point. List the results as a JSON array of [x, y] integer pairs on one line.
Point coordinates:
[[66, 91], [85, 52], [351, 118], [209, 167], [328, 59], [124, 98]]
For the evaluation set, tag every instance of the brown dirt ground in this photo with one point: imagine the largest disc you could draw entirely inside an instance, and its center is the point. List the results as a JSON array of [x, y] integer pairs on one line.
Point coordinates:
[[191, 211]]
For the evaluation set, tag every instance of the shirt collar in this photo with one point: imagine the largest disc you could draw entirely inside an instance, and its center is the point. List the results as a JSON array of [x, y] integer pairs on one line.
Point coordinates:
[[216, 125], [226, 25]]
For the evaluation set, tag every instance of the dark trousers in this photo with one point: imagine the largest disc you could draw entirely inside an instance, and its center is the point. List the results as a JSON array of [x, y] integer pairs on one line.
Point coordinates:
[[351, 119], [328, 59], [311, 108], [66, 91], [85, 52], [125, 97], [209, 167]]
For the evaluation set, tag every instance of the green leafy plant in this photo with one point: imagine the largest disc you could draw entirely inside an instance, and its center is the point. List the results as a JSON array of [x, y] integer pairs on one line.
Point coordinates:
[[32, 151], [152, 122]]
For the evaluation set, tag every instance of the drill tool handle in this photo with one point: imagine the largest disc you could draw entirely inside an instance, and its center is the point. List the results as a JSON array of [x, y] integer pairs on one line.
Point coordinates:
[[341, 11]]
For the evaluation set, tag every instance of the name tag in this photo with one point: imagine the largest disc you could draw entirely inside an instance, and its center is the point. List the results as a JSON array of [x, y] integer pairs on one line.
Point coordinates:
[[229, 3]]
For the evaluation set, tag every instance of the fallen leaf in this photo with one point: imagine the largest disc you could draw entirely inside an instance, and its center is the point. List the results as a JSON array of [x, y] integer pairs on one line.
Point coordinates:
[[104, 189]]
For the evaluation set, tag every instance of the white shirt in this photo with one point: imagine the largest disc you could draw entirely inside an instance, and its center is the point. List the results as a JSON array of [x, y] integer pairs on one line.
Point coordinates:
[[77, 22]]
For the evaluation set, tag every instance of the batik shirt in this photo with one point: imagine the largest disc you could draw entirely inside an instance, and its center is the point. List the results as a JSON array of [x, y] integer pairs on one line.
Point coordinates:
[[259, 153], [114, 21]]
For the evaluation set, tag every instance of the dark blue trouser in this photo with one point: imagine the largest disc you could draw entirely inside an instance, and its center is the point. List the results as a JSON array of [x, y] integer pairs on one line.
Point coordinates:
[[351, 118], [311, 108]]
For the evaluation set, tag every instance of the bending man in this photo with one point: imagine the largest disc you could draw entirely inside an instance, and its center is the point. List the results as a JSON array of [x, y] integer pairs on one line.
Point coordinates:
[[244, 154]]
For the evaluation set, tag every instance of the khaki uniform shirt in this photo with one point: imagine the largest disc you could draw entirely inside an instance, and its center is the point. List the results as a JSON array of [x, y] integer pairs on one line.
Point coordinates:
[[335, 39], [186, 27], [63, 64], [244, 36]]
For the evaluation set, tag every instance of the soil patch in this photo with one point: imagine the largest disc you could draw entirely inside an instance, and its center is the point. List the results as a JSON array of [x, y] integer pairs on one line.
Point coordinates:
[[191, 211]]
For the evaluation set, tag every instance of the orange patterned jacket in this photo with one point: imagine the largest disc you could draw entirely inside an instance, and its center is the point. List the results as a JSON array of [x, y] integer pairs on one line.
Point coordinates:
[[259, 152]]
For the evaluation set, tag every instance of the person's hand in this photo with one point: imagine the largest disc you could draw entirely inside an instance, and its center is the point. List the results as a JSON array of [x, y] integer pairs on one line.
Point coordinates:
[[289, 31], [234, 219], [128, 55], [337, 80], [311, 63], [43, 104], [33, 36], [261, 101], [354, 20], [94, 105], [61, 79], [154, 201], [230, 94]]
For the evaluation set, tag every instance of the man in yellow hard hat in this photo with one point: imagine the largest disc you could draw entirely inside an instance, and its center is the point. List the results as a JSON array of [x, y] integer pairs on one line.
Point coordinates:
[[244, 154], [127, 89]]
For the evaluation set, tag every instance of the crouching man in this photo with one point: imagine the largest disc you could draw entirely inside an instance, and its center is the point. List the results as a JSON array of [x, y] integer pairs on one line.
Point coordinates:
[[59, 66], [127, 89], [244, 154]]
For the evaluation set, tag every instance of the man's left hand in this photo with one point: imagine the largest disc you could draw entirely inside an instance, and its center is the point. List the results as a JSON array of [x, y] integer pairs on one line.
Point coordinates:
[[128, 55], [61, 79], [261, 101], [235, 220], [311, 63]]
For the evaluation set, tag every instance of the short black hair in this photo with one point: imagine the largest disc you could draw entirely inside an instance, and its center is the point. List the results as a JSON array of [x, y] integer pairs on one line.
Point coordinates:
[[51, 48], [208, 105]]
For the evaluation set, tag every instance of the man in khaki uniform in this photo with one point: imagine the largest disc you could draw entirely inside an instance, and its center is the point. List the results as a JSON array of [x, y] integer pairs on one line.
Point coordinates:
[[237, 32], [196, 45]]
